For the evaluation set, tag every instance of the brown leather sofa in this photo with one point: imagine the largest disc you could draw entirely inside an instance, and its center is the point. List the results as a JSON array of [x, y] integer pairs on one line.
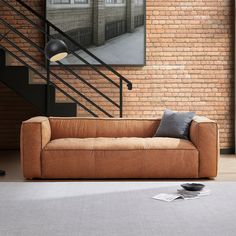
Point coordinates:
[[115, 148]]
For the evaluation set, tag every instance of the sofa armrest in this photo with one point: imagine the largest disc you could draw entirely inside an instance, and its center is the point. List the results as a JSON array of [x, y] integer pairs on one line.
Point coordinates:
[[205, 136], [35, 134]]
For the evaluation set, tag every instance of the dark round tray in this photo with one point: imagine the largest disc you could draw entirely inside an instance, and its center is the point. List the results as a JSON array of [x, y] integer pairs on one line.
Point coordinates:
[[193, 186]]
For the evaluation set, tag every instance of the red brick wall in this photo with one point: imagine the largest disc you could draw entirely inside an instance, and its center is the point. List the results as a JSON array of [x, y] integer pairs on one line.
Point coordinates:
[[189, 63]]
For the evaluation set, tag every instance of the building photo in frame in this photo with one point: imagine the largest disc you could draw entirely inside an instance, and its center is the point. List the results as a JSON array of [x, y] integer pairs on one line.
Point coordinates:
[[113, 30]]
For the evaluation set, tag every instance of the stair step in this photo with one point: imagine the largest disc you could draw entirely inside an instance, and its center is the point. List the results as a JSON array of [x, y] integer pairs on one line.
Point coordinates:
[[16, 75]]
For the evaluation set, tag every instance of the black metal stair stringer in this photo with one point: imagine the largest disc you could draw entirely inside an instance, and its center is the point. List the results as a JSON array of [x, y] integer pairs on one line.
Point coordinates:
[[17, 78]]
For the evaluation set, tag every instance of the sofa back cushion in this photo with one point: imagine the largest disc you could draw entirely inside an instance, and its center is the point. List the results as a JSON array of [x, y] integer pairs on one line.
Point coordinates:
[[77, 127]]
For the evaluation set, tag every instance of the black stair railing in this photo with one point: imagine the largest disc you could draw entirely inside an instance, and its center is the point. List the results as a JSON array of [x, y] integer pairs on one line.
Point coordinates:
[[50, 82], [42, 51], [46, 65], [53, 74]]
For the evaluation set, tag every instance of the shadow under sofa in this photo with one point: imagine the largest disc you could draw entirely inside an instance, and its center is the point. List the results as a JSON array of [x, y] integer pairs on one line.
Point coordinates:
[[104, 148]]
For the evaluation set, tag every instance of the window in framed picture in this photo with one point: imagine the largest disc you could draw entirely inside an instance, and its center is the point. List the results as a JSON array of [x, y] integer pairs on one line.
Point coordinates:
[[113, 30]]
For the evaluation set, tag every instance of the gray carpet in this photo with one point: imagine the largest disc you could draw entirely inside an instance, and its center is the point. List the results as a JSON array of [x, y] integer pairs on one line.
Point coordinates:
[[112, 209]]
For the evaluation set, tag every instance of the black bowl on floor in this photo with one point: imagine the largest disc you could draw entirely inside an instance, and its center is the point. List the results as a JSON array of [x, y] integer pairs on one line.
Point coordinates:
[[193, 186]]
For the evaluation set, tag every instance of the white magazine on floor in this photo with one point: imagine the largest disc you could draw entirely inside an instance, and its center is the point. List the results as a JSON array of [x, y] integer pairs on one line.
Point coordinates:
[[182, 194]]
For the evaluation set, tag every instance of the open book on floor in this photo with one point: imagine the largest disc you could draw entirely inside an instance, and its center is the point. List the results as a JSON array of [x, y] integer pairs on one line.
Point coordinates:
[[182, 194]]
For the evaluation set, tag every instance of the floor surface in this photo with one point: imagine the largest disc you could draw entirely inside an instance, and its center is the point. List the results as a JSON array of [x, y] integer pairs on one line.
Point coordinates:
[[114, 209]]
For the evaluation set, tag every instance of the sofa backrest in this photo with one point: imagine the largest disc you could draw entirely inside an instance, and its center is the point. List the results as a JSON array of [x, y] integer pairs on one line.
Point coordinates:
[[102, 127]]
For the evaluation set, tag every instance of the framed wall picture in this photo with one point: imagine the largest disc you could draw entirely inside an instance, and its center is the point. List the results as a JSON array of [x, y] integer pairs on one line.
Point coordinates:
[[113, 30]]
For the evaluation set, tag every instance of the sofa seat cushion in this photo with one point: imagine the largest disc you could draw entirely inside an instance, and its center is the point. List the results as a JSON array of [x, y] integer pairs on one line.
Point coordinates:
[[119, 144], [120, 158]]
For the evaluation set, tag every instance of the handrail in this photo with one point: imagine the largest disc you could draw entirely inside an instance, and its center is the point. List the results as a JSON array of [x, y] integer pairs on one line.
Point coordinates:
[[50, 82], [61, 64], [129, 84], [56, 76]]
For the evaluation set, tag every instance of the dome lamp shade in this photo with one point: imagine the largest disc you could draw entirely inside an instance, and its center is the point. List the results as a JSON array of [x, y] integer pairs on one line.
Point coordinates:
[[56, 50]]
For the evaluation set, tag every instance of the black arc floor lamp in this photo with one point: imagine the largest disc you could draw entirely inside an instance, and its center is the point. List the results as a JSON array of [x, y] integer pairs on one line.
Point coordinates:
[[55, 50]]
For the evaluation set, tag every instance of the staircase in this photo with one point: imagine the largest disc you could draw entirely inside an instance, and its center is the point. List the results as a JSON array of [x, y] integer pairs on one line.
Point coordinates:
[[43, 94], [17, 78]]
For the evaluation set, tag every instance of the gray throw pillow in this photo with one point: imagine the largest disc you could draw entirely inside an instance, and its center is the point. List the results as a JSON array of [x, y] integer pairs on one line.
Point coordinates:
[[175, 124]]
